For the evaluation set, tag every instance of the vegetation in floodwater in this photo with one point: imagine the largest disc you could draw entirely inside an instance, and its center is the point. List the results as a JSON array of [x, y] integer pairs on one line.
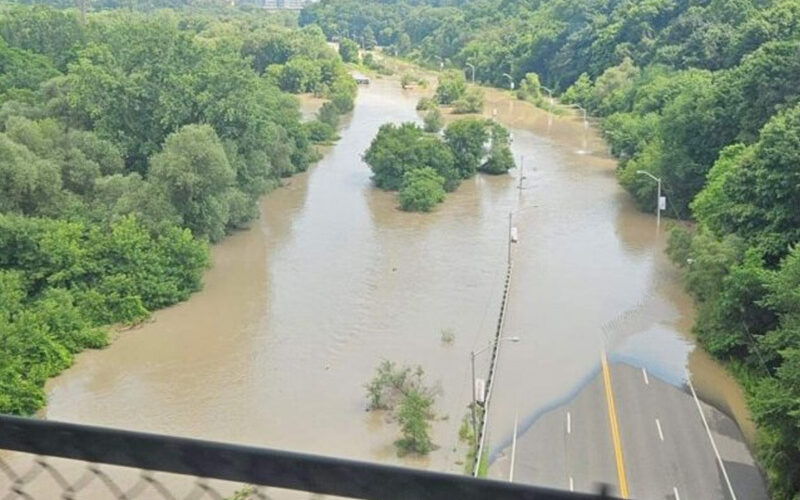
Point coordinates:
[[243, 493], [426, 103], [398, 151], [448, 336], [421, 190], [470, 102], [452, 87], [433, 121], [403, 393]]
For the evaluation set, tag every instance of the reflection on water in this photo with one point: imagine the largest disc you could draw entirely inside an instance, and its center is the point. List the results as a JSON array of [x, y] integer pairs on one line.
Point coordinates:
[[297, 311]]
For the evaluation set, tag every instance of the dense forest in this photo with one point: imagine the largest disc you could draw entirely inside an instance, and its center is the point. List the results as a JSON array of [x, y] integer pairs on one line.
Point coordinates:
[[128, 141], [701, 93]]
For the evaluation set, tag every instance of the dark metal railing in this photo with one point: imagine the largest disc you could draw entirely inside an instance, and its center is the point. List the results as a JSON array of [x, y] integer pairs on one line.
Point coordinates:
[[245, 464]]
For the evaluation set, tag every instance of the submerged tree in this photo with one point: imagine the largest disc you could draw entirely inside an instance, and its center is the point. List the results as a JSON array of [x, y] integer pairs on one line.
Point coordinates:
[[403, 392], [422, 189]]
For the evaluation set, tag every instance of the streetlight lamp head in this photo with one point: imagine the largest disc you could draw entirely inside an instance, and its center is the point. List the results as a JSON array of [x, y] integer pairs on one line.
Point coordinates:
[[513, 339]]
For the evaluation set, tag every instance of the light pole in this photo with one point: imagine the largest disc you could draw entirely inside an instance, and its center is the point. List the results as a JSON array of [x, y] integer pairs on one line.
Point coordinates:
[[472, 356], [658, 195], [510, 80], [473, 71], [578, 106]]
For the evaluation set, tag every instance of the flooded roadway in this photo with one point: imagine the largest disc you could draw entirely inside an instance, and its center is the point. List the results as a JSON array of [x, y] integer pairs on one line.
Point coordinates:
[[298, 311]]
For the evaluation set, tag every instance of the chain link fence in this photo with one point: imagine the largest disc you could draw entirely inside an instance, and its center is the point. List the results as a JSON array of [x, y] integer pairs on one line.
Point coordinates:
[[47, 460], [25, 476]]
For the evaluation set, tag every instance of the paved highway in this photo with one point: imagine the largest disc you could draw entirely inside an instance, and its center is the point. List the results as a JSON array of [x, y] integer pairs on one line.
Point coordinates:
[[664, 450]]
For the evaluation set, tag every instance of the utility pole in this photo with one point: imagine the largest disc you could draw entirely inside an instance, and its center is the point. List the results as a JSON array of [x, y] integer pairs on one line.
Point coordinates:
[[661, 203]]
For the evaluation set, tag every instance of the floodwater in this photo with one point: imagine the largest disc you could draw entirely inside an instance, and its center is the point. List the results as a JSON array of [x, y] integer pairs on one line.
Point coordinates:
[[299, 310]]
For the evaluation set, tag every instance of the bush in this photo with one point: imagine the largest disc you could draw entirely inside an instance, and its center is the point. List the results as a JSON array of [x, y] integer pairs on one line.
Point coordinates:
[[402, 391], [348, 50], [414, 413], [471, 102], [329, 114], [370, 62], [500, 160], [467, 139], [452, 86], [432, 121], [425, 103], [530, 89], [422, 189], [320, 132]]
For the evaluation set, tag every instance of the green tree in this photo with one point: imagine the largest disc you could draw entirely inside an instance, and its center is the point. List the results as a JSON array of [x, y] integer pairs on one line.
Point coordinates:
[[28, 184], [752, 191], [530, 88], [470, 102], [403, 45], [368, 38], [452, 86], [413, 415], [298, 75], [194, 174], [397, 149], [21, 69], [422, 189], [467, 140], [348, 50]]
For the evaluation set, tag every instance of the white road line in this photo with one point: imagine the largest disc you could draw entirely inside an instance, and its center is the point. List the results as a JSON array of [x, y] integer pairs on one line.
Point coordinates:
[[571, 484], [658, 425], [646, 380], [710, 437], [513, 451], [675, 492], [569, 423]]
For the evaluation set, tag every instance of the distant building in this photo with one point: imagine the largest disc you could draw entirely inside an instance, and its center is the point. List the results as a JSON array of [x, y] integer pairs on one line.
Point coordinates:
[[287, 4]]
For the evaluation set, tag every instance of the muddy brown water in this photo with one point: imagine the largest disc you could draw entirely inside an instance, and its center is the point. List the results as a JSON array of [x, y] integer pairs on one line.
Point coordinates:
[[297, 312]]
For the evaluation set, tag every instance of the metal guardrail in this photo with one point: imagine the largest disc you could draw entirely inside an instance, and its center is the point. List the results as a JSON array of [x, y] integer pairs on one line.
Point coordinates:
[[214, 460], [481, 437]]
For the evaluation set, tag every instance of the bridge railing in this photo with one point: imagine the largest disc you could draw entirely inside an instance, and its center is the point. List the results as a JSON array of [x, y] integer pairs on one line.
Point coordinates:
[[32, 452]]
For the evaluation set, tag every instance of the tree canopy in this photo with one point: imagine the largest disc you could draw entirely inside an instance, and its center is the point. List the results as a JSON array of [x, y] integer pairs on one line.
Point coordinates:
[[398, 151], [127, 143]]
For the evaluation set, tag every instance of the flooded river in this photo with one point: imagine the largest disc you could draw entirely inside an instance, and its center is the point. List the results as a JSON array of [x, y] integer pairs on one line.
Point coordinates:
[[298, 311]]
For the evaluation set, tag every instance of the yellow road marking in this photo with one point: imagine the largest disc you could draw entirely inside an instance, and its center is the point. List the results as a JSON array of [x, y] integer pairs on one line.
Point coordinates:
[[612, 419]]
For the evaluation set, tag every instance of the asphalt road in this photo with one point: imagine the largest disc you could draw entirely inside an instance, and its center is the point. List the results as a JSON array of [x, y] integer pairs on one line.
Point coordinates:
[[665, 450]]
